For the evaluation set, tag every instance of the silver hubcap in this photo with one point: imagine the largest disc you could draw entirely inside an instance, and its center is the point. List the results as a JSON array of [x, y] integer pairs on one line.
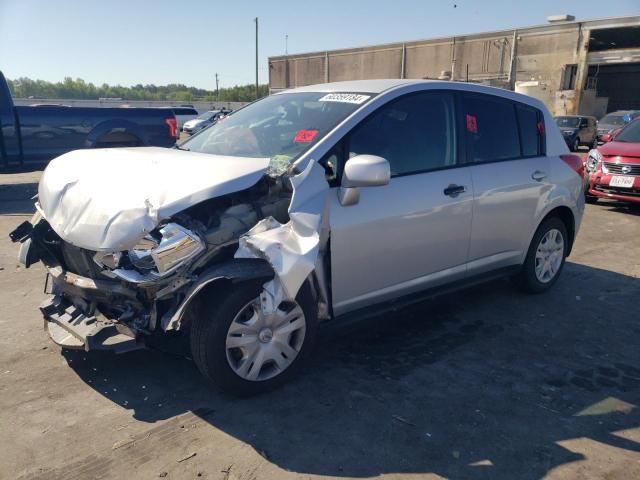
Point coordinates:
[[549, 255], [262, 346]]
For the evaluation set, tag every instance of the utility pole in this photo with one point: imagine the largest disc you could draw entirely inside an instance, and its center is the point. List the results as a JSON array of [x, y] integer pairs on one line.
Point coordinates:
[[286, 44], [217, 91], [256, 20]]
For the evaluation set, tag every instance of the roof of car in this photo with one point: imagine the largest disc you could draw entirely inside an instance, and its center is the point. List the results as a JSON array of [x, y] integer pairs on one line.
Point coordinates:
[[366, 86], [383, 85]]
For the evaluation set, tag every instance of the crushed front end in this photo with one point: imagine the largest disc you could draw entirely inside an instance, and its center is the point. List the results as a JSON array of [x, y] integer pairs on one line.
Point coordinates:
[[117, 300]]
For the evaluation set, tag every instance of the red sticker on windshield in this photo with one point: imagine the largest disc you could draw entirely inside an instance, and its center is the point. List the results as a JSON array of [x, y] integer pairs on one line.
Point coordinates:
[[472, 124], [305, 136]]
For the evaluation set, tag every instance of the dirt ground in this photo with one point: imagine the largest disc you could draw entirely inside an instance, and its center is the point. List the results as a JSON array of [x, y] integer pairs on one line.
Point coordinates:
[[485, 383]]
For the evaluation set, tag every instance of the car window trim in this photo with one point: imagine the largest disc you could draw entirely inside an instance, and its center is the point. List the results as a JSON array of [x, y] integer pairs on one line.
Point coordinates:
[[456, 124], [463, 133]]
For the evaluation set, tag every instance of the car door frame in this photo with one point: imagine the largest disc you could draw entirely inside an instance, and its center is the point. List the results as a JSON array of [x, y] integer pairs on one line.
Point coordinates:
[[413, 287]]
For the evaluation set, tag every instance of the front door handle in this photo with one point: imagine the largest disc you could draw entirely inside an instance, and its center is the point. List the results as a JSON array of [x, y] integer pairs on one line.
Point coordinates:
[[454, 190], [538, 175]]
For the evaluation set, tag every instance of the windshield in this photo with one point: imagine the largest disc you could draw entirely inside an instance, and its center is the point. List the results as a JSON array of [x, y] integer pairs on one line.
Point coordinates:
[[208, 115], [280, 127], [630, 134], [567, 122], [613, 120]]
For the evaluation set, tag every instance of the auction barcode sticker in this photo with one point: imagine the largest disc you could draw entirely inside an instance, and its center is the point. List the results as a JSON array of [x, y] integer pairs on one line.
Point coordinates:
[[345, 98]]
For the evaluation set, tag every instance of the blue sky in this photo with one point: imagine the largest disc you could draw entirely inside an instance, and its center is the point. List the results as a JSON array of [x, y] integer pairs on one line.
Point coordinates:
[[161, 41]]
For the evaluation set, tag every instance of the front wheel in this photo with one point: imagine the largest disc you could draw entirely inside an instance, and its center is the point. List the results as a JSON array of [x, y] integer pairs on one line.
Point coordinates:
[[545, 258], [245, 351]]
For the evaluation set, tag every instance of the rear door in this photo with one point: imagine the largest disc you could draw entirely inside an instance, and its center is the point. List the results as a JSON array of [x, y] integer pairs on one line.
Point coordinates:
[[414, 232], [509, 169]]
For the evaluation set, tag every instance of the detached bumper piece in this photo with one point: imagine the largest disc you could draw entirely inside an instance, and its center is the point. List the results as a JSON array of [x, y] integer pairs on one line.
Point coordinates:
[[71, 328]]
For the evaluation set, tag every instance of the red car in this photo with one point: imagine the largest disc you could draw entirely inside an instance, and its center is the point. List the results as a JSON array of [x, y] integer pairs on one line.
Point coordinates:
[[614, 168]]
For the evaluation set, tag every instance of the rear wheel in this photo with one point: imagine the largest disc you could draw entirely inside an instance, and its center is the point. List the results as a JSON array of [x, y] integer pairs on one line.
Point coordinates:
[[245, 351], [545, 258]]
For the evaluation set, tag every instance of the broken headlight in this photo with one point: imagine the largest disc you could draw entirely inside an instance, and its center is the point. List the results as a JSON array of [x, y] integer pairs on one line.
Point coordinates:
[[154, 259], [177, 244]]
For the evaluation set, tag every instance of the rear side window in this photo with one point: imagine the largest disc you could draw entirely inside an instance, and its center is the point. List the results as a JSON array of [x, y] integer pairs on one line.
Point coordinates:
[[415, 133], [529, 136], [184, 111], [492, 131], [498, 129]]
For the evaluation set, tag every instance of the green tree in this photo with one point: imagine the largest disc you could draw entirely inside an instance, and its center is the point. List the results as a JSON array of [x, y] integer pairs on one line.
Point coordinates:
[[72, 89]]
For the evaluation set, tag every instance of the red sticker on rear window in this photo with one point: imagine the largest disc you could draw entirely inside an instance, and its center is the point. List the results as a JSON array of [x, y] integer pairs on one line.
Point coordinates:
[[472, 124], [305, 136], [540, 128]]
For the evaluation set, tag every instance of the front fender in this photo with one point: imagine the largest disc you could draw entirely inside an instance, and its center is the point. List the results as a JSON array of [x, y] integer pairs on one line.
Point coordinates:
[[235, 270], [113, 126]]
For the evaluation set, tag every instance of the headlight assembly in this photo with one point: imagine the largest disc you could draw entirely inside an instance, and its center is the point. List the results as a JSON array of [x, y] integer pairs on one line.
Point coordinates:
[[154, 259], [177, 245], [593, 159]]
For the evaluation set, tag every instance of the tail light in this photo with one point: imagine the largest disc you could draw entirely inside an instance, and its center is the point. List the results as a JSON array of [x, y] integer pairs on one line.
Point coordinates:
[[173, 126], [575, 162]]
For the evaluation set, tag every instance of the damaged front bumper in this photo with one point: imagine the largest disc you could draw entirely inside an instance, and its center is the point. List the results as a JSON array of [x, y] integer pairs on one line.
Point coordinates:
[[72, 328], [72, 320]]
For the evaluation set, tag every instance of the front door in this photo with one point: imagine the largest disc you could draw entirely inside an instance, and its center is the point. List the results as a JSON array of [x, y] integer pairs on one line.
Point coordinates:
[[414, 232]]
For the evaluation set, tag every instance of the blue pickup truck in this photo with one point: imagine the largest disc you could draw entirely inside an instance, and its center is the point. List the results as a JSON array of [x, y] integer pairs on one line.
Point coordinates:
[[39, 133]]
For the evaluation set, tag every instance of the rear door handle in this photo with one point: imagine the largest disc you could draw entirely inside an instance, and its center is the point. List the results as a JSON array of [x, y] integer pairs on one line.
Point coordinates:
[[454, 190], [538, 175]]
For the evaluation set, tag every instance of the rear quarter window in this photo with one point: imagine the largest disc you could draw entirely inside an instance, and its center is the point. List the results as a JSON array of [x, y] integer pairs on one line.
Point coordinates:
[[528, 119]]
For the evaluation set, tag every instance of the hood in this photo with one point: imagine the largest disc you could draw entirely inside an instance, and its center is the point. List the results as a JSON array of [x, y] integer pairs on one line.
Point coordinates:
[[108, 199], [623, 149]]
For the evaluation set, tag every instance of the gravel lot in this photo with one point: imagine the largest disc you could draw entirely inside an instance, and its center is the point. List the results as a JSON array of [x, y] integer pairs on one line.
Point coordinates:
[[486, 383]]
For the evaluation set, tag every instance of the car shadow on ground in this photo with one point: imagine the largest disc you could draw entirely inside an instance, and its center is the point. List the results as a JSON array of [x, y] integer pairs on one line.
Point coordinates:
[[620, 207], [483, 383]]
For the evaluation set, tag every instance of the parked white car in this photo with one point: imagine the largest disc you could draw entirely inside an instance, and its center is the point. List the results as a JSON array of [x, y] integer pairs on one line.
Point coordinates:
[[193, 126], [183, 115], [323, 202]]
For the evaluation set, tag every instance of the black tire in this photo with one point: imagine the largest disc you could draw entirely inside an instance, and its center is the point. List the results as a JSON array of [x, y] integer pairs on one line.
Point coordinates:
[[526, 279], [210, 322], [590, 199]]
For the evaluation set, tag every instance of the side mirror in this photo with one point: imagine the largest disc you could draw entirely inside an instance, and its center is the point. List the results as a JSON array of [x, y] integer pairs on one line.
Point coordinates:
[[362, 171], [606, 137]]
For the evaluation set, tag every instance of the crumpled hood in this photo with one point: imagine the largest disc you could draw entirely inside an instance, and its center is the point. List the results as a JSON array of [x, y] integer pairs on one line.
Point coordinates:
[[108, 199]]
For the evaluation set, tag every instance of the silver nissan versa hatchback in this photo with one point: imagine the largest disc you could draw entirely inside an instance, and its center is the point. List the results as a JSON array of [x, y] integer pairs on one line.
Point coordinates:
[[309, 205]]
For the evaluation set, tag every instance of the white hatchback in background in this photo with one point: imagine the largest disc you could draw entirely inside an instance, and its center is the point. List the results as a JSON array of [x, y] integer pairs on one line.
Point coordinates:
[[183, 115], [318, 203]]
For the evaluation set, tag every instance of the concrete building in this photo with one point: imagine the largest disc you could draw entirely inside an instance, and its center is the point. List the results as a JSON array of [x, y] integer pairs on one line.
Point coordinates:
[[575, 67]]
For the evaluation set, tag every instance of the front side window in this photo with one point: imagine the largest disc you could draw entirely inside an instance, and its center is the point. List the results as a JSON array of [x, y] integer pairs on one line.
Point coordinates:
[[280, 127], [414, 133], [491, 129]]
